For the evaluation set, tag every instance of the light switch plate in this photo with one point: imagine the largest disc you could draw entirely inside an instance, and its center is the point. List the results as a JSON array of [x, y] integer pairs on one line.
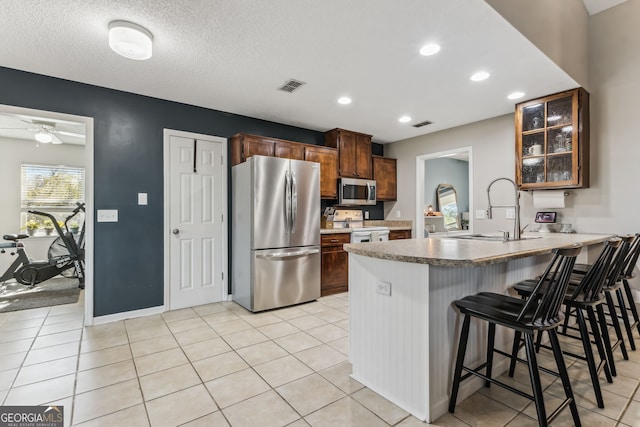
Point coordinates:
[[142, 198], [481, 214], [511, 213], [107, 215]]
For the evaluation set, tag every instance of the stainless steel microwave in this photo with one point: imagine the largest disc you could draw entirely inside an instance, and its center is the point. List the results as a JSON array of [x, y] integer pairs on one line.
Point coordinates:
[[352, 191]]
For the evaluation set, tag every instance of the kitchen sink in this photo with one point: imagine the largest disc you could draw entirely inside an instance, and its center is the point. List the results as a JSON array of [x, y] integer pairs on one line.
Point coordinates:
[[491, 237]]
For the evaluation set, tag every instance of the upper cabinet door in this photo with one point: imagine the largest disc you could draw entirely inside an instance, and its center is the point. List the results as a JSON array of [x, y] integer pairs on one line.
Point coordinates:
[[354, 150], [328, 159], [552, 141], [385, 174], [289, 150]]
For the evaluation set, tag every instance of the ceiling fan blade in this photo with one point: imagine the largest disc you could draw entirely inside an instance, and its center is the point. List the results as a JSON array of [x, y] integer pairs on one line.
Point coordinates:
[[55, 139], [14, 129], [65, 133]]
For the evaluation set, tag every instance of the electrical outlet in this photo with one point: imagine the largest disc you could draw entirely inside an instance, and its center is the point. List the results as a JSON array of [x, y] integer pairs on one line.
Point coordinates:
[[366, 215], [511, 213], [398, 214], [383, 288], [481, 214], [107, 215]]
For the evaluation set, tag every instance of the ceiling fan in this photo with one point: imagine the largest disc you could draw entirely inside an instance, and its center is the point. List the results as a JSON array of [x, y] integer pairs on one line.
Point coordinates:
[[46, 132]]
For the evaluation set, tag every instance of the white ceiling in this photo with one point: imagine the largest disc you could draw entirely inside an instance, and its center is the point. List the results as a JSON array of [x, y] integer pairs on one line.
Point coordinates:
[[232, 55], [597, 6]]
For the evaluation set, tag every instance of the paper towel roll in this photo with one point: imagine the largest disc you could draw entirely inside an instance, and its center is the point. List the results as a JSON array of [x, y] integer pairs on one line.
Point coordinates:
[[548, 199]]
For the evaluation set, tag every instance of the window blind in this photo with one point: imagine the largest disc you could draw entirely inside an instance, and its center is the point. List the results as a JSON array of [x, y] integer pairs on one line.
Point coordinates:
[[51, 187]]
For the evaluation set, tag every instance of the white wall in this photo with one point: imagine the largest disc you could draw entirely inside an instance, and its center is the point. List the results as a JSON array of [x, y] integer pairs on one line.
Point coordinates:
[[14, 153]]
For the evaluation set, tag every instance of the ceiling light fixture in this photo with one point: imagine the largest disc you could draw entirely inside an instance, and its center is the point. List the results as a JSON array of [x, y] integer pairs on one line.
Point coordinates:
[[429, 49], [515, 95], [344, 100], [479, 76], [43, 136], [130, 40], [404, 119]]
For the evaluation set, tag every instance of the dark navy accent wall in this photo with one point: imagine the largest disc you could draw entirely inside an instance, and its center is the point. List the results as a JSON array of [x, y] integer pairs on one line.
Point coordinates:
[[128, 158]]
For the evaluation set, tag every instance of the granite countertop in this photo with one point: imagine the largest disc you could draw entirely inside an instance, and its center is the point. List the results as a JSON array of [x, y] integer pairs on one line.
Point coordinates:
[[453, 252]]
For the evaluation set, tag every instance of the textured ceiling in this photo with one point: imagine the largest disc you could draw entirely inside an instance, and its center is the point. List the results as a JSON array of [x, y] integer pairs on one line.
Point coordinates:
[[232, 55]]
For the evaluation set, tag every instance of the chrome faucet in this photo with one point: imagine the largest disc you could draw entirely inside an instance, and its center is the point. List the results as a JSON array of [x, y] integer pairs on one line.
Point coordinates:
[[516, 227]]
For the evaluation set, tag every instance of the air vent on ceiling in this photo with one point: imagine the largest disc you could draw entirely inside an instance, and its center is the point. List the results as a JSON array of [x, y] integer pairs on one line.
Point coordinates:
[[425, 123], [291, 85]]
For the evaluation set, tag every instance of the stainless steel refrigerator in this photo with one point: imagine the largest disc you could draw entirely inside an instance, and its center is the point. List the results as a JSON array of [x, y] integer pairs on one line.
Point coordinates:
[[275, 232]]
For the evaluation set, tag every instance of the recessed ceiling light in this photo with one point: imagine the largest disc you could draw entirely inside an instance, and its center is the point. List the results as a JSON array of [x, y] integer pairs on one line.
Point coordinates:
[[430, 49], [515, 95], [404, 119], [344, 100], [479, 76], [130, 40]]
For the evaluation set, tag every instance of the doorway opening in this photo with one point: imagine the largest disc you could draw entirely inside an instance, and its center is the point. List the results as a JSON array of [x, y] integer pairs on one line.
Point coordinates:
[[48, 167], [452, 166]]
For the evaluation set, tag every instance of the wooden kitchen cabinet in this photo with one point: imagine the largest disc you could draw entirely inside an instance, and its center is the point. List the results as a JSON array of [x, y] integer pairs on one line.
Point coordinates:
[[288, 150], [244, 146], [385, 174], [399, 234], [552, 141], [354, 152], [328, 159], [334, 276]]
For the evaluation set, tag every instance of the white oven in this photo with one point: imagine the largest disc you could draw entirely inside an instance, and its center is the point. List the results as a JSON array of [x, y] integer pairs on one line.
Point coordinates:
[[370, 234]]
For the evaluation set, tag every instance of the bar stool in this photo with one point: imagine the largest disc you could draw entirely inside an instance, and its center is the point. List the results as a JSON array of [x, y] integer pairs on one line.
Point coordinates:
[[583, 297], [540, 312], [627, 273]]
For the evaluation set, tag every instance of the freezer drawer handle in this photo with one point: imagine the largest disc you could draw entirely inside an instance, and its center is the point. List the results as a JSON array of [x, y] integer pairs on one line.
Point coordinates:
[[288, 254]]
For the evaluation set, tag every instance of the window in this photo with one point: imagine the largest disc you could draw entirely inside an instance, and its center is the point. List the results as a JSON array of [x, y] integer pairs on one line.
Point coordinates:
[[51, 189]]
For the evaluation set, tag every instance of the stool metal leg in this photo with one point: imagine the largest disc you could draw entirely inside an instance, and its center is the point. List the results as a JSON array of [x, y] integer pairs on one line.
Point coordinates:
[[491, 337], [625, 318], [534, 375], [588, 352], [632, 304], [514, 352], [616, 324], [462, 349], [564, 375], [606, 340]]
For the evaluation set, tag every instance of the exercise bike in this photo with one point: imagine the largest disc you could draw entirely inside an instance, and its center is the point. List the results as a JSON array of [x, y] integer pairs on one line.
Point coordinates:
[[65, 255]]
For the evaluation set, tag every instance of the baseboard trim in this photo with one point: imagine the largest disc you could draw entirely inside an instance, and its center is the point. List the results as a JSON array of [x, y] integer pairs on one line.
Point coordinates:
[[100, 320]]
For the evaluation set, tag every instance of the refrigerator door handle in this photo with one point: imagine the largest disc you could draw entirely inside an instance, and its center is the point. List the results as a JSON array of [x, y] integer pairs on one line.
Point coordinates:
[[294, 202], [287, 202], [289, 254]]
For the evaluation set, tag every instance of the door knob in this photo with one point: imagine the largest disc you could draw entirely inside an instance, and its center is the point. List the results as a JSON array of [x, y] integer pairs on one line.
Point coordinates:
[[176, 231]]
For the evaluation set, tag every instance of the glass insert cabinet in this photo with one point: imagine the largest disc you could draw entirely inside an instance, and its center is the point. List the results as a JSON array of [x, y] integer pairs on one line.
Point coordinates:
[[552, 141]]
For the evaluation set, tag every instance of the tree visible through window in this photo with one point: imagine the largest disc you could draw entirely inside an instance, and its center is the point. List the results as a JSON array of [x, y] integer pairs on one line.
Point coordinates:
[[51, 189]]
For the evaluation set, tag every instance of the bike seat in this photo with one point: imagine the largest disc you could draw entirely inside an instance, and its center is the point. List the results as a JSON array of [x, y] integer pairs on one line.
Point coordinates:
[[14, 237]]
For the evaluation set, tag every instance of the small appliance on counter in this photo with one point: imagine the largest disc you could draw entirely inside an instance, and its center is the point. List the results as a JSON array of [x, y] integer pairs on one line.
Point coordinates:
[[545, 219]]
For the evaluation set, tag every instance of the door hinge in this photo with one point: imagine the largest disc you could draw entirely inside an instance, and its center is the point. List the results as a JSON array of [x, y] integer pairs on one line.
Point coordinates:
[[221, 217], [222, 160], [222, 275]]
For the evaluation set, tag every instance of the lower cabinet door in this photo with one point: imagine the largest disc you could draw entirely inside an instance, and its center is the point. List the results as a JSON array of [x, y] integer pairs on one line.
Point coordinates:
[[335, 270]]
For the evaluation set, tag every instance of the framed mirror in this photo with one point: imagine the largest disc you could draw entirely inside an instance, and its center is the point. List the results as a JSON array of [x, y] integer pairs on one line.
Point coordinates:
[[448, 206]]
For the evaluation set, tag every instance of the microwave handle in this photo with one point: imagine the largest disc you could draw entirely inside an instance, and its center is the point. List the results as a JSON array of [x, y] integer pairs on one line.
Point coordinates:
[[368, 191]]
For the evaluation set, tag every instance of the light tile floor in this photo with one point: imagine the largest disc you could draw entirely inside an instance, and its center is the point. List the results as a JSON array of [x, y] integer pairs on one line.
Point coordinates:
[[219, 365]]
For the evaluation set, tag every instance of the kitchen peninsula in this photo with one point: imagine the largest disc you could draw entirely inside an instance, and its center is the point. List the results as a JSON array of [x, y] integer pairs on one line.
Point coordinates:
[[403, 327]]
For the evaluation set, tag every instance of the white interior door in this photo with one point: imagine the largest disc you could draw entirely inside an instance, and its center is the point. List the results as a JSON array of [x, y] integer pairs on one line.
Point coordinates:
[[195, 221]]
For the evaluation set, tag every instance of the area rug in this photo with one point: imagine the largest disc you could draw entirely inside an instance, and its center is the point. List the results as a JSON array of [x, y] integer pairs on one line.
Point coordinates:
[[55, 291]]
